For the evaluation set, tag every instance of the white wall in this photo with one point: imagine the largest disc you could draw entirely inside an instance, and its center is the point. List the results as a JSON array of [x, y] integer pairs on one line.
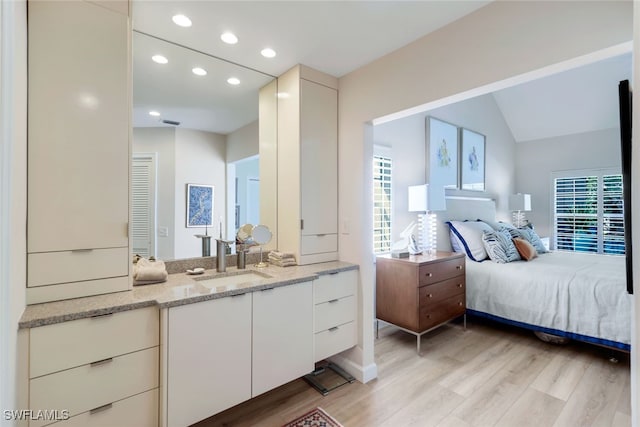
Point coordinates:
[[408, 141], [161, 141], [536, 160], [243, 142], [200, 159], [500, 41], [13, 203]]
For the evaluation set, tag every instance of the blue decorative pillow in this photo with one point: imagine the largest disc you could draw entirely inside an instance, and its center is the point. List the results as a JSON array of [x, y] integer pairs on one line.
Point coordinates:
[[530, 236], [466, 236], [500, 247], [499, 225]]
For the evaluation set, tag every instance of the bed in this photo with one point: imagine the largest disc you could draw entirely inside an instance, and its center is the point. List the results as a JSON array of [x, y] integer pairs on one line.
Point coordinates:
[[572, 295]]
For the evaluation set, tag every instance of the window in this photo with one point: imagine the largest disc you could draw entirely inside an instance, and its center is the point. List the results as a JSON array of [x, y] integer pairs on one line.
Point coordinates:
[[381, 204], [588, 212]]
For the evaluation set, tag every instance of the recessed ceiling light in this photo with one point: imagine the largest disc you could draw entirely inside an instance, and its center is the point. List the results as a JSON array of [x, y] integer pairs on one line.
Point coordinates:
[[154, 113], [229, 38], [268, 52], [233, 81], [181, 20], [159, 59], [199, 71]]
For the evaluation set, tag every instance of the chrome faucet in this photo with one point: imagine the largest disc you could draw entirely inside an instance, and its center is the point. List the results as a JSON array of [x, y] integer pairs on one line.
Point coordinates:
[[221, 255]]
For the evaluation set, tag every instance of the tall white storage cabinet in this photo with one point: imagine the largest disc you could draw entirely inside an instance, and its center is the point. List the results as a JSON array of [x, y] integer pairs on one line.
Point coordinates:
[[79, 153], [308, 165]]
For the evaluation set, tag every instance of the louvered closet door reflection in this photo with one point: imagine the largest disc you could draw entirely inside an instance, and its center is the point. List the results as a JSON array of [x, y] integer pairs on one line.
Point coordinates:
[[143, 212]]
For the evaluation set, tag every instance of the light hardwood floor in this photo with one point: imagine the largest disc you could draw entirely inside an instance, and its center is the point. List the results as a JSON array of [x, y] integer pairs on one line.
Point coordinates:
[[486, 375]]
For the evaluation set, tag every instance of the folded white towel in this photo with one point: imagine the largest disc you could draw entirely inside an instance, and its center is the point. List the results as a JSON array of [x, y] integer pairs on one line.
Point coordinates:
[[281, 255], [145, 270], [283, 263]]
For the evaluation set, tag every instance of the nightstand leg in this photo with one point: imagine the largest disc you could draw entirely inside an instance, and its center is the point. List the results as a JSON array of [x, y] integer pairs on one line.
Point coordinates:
[[418, 343], [464, 321], [377, 329]]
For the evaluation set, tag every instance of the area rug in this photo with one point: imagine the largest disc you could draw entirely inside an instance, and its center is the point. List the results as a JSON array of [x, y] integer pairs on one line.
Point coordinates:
[[316, 418]]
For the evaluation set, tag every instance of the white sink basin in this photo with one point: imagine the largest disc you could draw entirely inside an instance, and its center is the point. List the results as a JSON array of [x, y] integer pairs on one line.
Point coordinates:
[[232, 280]]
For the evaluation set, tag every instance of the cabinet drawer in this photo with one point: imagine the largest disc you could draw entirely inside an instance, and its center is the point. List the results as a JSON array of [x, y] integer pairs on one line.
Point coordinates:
[[333, 286], [90, 386], [140, 410], [334, 340], [333, 313], [442, 290], [78, 342], [434, 314], [49, 268], [319, 243], [437, 271]]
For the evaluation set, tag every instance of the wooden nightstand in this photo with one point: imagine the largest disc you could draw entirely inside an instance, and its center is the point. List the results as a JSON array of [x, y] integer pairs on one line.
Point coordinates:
[[420, 293]]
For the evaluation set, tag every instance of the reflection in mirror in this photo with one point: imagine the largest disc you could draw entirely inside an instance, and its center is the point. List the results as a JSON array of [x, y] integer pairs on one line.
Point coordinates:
[[191, 128]]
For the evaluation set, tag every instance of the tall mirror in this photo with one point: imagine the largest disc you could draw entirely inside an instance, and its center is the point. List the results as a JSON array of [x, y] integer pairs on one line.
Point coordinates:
[[195, 129]]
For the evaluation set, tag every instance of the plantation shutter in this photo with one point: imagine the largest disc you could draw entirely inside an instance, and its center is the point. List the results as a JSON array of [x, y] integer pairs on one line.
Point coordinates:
[[143, 206]]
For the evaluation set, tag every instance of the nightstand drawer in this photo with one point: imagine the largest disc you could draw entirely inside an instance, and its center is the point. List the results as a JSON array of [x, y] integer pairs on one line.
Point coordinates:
[[430, 294], [333, 313], [438, 271], [334, 340], [91, 386], [433, 315]]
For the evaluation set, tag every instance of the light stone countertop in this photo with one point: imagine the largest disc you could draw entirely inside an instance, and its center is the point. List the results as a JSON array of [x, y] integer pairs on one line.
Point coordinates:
[[179, 289]]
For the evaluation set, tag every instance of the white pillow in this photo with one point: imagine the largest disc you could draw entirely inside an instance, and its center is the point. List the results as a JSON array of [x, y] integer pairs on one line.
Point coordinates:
[[466, 236]]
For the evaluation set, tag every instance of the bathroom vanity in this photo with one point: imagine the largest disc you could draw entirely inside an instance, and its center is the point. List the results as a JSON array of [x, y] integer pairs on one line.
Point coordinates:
[[197, 344]]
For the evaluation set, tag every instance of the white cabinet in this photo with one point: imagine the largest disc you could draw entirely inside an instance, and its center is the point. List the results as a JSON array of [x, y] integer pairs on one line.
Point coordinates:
[[308, 149], [282, 336], [334, 313], [104, 370], [221, 352], [78, 149], [209, 358]]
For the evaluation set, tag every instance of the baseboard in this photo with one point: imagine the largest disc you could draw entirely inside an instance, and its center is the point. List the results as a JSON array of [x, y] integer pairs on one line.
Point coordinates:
[[364, 374]]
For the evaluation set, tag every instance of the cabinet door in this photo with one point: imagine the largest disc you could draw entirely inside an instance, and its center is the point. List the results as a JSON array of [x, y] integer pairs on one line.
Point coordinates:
[[318, 158], [79, 108], [209, 358], [282, 335]]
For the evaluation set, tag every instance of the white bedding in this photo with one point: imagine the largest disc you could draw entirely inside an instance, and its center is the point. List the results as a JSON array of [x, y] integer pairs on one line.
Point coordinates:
[[580, 294]]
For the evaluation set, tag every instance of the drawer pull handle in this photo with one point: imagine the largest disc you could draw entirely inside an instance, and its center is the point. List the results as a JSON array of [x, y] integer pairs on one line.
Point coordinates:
[[241, 295], [320, 235], [334, 272], [98, 316], [332, 301], [101, 408], [429, 274], [428, 316], [429, 295], [335, 328], [459, 285], [460, 303], [101, 362], [458, 267], [267, 289]]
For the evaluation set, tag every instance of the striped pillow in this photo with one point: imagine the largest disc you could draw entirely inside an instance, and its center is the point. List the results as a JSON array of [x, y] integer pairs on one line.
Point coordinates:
[[500, 247], [530, 236]]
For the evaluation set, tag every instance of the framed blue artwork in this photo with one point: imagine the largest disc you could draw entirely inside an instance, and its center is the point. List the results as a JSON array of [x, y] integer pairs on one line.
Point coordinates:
[[199, 205], [442, 154], [472, 162]]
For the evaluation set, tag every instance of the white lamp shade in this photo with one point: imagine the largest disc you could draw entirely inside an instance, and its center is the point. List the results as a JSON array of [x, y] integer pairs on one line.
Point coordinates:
[[418, 198], [520, 202]]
